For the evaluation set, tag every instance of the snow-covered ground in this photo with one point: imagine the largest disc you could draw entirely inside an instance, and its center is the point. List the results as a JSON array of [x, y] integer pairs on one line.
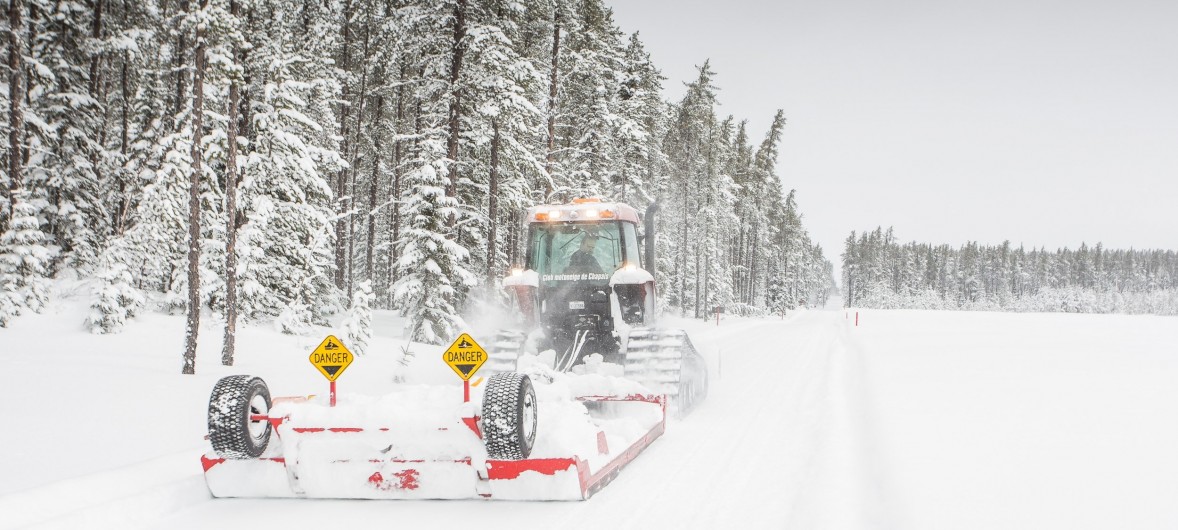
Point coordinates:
[[911, 420]]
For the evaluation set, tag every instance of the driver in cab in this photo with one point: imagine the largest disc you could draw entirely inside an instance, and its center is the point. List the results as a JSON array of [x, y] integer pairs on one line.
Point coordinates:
[[582, 261]]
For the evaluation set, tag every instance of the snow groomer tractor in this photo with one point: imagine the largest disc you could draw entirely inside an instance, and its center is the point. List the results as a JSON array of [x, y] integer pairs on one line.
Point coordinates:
[[586, 289], [583, 388]]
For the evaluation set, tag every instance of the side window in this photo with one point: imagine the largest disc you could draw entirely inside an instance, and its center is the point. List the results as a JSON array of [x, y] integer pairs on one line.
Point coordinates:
[[633, 254], [541, 251]]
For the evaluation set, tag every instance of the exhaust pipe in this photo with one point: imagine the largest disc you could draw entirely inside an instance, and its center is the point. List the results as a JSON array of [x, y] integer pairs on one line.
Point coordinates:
[[650, 211]]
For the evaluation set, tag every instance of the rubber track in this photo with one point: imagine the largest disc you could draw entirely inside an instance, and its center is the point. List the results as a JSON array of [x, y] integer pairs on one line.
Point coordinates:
[[656, 357], [504, 351]]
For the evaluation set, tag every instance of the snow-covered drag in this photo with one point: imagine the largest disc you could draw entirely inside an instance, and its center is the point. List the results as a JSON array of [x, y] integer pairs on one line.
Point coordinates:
[[910, 420]]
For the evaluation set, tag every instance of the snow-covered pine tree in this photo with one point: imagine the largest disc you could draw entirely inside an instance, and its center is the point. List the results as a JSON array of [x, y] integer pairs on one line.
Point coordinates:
[[718, 218], [358, 325], [360, 73], [14, 125], [226, 56], [499, 157], [431, 271], [69, 159], [641, 127], [108, 137], [116, 300], [432, 275], [157, 152], [591, 152], [767, 185], [285, 245], [550, 24], [687, 144], [739, 166], [25, 255]]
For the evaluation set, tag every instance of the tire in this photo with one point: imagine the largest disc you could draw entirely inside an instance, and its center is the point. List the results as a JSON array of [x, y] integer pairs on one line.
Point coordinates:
[[234, 400], [509, 416]]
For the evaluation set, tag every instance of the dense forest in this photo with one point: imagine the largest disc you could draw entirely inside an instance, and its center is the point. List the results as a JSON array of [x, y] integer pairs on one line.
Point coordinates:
[[881, 272], [289, 160]]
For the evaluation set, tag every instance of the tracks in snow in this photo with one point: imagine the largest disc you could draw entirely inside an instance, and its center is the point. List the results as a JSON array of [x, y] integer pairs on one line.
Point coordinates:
[[782, 441]]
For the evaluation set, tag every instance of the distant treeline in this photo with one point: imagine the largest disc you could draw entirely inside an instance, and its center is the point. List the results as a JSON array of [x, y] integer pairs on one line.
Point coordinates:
[[880, 272]]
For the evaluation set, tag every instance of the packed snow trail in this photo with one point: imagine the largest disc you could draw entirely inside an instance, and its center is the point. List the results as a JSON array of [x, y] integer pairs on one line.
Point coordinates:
[[742, 458], [914, 420], [1006, 420]]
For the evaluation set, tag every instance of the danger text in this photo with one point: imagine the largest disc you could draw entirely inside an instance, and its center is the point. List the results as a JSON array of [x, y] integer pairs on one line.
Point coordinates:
[[464, 356], [330, 358]]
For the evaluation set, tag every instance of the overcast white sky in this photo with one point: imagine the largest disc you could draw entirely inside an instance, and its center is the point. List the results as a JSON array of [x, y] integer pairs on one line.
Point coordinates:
[[1045, 123]]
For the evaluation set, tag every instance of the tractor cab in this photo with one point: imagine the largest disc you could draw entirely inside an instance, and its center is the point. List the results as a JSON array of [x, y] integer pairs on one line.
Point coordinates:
[[586, 288], [585, 272]]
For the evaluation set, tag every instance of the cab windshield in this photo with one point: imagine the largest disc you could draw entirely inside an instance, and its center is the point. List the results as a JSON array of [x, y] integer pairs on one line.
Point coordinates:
[[576, 251]]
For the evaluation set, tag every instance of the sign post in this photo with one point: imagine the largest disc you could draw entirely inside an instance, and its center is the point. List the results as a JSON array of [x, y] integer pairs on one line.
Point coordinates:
[[465, 357], [331, 358]]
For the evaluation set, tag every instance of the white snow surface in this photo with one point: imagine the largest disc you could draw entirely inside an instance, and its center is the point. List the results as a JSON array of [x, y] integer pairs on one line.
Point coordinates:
[[630, 276], [913, 419]]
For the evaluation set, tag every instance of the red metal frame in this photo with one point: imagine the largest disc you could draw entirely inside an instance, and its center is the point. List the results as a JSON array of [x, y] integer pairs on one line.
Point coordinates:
[[589, 481]]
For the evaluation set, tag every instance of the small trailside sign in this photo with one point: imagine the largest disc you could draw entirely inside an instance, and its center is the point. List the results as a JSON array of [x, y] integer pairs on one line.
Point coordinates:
[[331, 358], [465, 356]]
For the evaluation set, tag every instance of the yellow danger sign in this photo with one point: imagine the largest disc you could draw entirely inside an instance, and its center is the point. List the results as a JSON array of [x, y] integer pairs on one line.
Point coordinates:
[[465, 356], [331, 358]]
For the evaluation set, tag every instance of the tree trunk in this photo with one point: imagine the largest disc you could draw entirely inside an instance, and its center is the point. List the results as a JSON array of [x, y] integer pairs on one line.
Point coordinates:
[[493, 207], [124, 207], [194, 203], [681, 257], [15, 113], [395, 221], [513, 229], [96, 61], [178, 61], [553, 77], [373, 189], [227, 349], [243, 122], [739, 265], [750, 286], [455, 99], [697, 279], [707, 307], [342, 177], [352, 162]]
